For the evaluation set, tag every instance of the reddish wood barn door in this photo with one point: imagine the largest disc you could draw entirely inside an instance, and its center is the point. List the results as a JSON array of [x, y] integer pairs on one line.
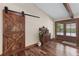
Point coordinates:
[[13, 32]]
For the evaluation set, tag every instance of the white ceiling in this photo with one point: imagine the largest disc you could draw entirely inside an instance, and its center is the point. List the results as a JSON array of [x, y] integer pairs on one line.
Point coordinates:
[[75, 8], [57, 10]]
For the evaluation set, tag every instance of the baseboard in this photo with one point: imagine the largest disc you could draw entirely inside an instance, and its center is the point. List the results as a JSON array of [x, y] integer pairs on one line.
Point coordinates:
[[33, 45], [52, 39]]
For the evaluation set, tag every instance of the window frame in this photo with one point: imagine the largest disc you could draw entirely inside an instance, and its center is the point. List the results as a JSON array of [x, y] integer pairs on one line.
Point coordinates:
[[61, 31], [71, 29], [65, 22]]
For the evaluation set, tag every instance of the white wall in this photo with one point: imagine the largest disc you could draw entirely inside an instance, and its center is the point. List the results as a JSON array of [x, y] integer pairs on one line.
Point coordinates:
[[31, 24]]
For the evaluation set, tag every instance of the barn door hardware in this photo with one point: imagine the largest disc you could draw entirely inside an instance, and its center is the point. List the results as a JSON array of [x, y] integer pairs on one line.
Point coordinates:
[[6, 11]]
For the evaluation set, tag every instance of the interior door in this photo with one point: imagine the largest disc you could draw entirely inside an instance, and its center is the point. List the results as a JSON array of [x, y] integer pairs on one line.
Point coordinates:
[[13, 32]]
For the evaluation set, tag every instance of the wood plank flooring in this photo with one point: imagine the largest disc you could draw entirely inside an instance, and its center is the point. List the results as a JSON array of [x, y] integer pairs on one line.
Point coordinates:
[[52, 48]]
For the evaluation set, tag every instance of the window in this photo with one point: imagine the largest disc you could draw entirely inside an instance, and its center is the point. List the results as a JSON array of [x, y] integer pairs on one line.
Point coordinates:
[[60, 29], [68, 28], [71, 29]]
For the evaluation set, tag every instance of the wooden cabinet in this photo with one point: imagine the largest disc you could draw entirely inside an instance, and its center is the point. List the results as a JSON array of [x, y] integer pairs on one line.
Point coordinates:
[[46, 38], [44, 35]]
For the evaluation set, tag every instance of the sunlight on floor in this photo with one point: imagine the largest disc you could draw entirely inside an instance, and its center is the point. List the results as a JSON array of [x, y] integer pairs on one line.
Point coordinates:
[[65, 50]]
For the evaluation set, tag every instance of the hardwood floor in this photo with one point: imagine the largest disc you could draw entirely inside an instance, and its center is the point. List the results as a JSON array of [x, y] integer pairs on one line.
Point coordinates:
[[52, 48]]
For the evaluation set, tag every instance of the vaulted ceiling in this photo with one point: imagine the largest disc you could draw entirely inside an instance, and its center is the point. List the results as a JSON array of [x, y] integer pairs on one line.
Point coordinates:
[[58, 11]]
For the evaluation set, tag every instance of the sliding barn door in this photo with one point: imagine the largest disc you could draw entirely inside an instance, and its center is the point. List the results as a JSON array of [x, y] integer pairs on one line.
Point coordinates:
[[13, 33]]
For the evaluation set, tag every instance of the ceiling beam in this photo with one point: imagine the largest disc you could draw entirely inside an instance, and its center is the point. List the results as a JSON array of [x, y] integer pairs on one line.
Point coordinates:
[[67, 6]]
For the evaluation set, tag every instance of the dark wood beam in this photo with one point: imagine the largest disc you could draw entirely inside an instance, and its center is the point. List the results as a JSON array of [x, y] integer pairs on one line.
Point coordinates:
[[67, 6]]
